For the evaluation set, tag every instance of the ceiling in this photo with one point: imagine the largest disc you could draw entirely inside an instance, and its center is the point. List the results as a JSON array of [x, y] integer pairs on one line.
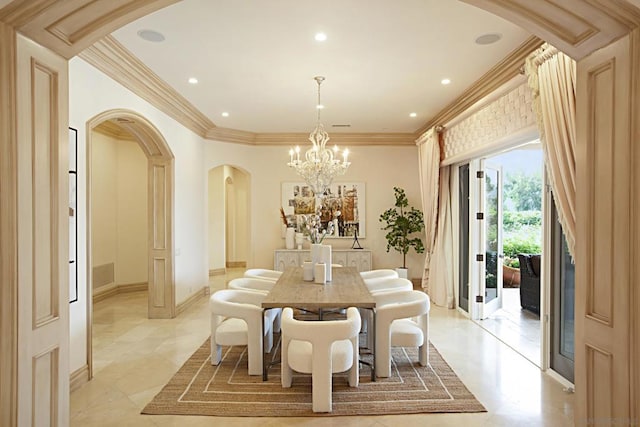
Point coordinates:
[[382, 60]]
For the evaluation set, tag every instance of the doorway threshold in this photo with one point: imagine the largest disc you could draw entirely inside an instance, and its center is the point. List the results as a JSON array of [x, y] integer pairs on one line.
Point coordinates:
[[518, 328]]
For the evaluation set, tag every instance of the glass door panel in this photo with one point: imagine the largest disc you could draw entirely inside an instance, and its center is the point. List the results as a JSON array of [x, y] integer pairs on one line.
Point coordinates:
[[463, 255], [491, 208], [562, 303]]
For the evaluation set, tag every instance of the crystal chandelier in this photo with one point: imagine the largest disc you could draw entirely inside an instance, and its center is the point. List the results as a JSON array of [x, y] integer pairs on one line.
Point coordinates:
[[320, 164]]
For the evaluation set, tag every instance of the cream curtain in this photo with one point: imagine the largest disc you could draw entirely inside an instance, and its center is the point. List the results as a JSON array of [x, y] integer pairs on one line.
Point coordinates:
[[429, 158], [441, 263], [437, 279], [552, 78]]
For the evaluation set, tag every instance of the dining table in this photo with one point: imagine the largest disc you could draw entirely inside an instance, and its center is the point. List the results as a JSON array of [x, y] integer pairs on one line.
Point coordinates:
[[346, 289]]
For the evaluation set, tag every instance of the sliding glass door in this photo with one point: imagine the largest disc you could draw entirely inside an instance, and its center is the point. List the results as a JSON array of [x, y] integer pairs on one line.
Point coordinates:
[[562, 303]]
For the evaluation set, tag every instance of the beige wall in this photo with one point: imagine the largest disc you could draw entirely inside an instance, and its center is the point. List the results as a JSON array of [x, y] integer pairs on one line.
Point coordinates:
[[132, 214], [216, 218], [104, 202], [380, 168], [119, 208]]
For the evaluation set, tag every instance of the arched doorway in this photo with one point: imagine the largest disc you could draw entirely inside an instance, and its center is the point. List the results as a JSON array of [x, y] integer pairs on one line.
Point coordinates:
[[228, 218], [160, 189]]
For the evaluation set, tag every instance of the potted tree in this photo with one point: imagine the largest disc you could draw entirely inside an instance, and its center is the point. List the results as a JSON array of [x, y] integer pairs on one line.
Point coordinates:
[[401, 223]]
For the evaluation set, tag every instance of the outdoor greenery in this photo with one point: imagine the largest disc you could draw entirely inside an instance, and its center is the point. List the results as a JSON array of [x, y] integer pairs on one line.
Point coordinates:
[[522, 217], [401, 222], [525, 191]]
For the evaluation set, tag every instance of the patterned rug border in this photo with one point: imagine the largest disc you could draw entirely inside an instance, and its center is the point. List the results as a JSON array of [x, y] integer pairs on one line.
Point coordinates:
[[408, 383]]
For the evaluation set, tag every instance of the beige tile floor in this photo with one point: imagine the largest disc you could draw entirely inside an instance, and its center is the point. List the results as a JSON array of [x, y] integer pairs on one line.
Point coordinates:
[[134, 357]]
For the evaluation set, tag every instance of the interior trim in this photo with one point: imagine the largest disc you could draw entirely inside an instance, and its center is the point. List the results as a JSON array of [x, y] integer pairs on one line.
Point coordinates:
[[78, 378], [101, 294], [191, 300]]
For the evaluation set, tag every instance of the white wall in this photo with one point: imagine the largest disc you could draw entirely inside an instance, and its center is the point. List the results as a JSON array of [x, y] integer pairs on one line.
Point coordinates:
[[380, 168], [92, 93]]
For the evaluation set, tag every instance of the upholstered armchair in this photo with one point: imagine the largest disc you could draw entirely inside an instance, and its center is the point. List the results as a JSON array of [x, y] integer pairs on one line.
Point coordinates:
[[258, 285], [383, 273], [236, 319], [263, 273], [402, 320], [320, 348], [530, 282]]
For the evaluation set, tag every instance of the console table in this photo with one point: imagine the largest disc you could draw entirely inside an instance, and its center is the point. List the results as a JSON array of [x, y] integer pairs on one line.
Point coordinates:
[[358, 258]]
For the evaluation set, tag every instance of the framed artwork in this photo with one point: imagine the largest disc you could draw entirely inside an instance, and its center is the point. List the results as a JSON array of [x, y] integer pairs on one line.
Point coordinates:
[[344, 205], [73, 215]]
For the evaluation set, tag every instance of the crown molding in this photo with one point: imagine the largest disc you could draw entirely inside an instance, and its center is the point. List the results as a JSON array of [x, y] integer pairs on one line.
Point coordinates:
[[499, 75], [266, 139], [114, 60], [393, 139]]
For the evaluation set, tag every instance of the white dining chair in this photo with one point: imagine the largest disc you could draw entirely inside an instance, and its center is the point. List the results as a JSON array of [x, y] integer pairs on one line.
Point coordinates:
[[237, 319], [381, 285], [257, 285], [320, 348], [263, 273], [402, 320], [388, 284], [382, 273]]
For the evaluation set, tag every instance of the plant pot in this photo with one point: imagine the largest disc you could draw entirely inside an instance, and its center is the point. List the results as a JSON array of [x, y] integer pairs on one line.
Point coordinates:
[[510, 277], [403, 272]]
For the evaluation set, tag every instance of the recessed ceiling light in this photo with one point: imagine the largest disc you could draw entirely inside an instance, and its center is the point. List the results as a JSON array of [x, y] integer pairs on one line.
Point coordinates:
[[488, 38], [320, 37], [193, 80], [413, 115], [151, 36], [225, 114], [445, 81]]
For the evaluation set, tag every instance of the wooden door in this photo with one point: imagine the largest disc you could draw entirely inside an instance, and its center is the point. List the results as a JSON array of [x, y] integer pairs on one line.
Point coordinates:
[[605, 275], [161, 289], [42, 217]]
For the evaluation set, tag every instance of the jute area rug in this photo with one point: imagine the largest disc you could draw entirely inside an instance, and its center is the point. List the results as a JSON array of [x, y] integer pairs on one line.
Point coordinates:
[[199, 388]]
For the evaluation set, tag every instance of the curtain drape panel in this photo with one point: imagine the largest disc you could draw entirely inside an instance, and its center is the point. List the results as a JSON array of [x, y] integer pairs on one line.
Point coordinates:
[[441, 263], [429, 158], [437, 278], [552, 78]]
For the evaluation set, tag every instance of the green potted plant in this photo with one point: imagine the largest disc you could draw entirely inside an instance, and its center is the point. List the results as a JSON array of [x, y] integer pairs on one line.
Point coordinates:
[[401, 224]]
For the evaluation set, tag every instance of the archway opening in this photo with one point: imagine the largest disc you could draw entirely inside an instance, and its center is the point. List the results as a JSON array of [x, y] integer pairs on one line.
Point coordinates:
[[228, 218]]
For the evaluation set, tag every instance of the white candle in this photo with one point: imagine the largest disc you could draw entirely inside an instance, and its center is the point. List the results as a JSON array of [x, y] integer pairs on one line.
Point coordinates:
[[291, 155], [297, 153], [345, 154]]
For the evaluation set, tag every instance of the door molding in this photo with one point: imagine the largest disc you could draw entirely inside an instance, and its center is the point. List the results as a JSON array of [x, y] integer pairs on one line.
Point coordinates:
[[160, 190]]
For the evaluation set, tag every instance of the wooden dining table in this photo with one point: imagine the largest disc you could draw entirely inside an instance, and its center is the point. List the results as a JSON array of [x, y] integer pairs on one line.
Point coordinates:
[[346, 289]]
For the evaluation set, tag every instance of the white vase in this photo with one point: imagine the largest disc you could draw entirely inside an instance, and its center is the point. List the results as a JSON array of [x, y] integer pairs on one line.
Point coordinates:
[[289, 238], [402, 272], [299, 240], [316, 253]]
